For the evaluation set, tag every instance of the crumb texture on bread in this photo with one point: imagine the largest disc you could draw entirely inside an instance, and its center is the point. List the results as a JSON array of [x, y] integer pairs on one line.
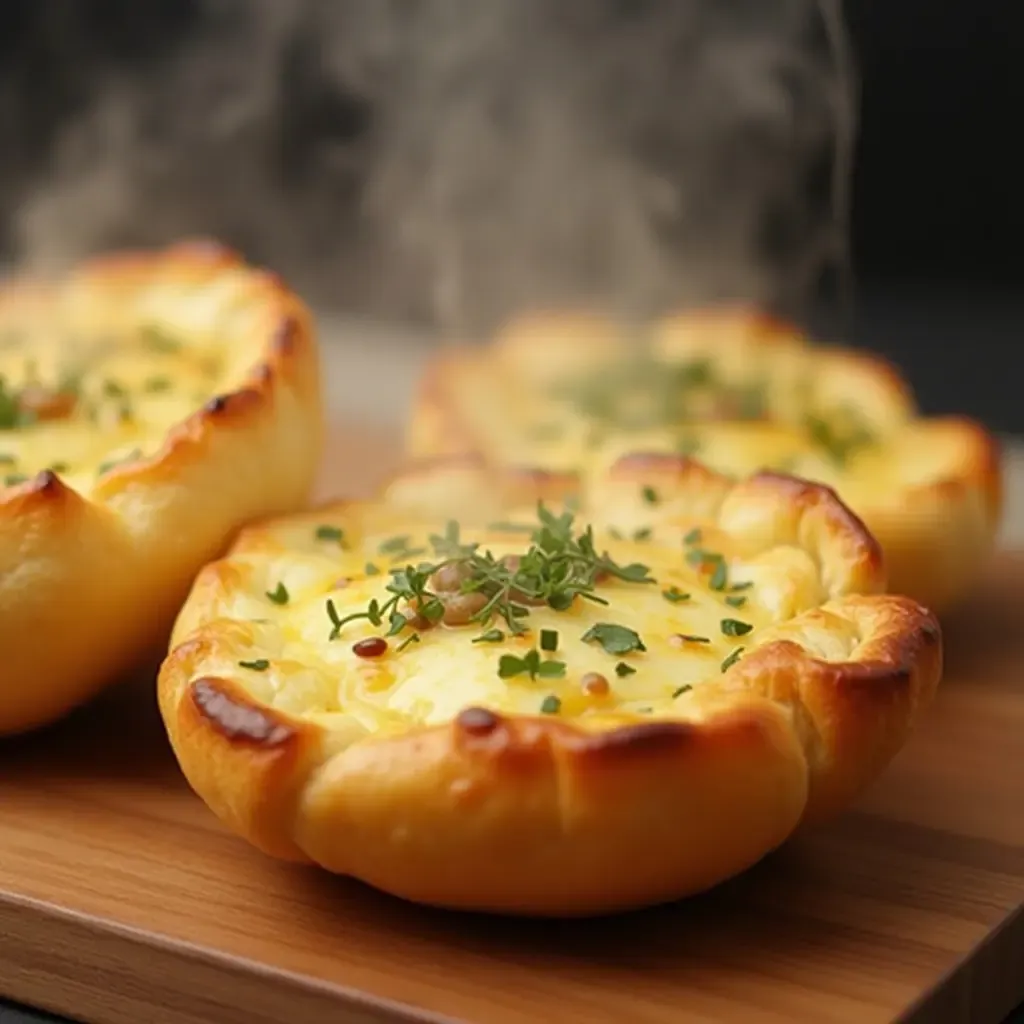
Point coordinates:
[[743, 392], [150, 404], [472, 700]]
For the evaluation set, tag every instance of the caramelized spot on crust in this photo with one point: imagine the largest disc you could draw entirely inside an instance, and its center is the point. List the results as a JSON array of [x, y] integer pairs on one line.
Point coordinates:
[[286, 336], [235, 718]]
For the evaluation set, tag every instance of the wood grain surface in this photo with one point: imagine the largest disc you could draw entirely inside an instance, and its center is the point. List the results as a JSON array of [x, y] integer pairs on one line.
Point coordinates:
[[123, 900]]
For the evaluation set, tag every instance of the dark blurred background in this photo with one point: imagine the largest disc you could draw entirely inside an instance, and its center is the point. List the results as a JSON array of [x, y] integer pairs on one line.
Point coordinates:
[[938, 206], [390, 155]]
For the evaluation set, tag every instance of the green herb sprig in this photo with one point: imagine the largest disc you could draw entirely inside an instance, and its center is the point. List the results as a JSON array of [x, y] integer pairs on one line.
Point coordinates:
[[559, 566]]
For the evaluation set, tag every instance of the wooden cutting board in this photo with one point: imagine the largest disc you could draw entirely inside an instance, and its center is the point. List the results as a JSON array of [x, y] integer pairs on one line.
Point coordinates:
[[123, 900]]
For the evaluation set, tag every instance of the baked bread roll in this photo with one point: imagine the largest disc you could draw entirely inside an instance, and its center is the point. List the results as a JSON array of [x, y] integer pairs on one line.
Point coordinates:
[[150, 404], [743, 393], [530, 710]]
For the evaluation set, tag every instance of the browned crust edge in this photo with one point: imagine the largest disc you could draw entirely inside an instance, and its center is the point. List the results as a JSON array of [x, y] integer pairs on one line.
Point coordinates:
[[127, 536], [785, 738]]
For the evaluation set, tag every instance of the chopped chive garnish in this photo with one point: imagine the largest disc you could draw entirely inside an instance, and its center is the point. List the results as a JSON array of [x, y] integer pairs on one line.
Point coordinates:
[[650, 495], [693, 537], [548, 640], [675, 595], [732, 659], [331, 533], [622, 669], [733, 627], [719, 577], [279, 595], [679, 691], [259, 665], [550, 705]]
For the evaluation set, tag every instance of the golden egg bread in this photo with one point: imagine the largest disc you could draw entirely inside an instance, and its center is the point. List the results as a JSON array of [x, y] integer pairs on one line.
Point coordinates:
[[474, 693], [743, 392], [150, 404]]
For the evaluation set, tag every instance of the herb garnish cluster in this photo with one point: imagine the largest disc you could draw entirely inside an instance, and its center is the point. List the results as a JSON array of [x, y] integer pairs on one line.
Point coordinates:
[[559, 566]]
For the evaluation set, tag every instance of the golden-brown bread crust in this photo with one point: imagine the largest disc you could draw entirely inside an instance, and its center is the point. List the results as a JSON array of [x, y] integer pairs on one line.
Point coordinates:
[[495, 809], [930, 489], [94, 563]]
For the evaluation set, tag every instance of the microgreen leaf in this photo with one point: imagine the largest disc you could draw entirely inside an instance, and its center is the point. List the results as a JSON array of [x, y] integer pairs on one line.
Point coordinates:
[[492, 636]]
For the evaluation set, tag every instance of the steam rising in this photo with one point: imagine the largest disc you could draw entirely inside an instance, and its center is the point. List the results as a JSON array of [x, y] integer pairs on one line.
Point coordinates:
[[444, 160]]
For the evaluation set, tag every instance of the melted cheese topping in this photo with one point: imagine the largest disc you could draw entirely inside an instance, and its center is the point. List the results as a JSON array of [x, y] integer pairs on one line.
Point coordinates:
[[82, 404], [682, 407], [705, 607]]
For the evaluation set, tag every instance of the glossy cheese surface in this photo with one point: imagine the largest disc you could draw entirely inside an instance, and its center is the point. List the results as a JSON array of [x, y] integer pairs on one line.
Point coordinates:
[[703, 605]]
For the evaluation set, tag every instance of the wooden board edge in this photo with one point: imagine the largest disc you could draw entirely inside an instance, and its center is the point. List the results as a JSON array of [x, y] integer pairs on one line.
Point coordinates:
[[984, 987], [92, 970]]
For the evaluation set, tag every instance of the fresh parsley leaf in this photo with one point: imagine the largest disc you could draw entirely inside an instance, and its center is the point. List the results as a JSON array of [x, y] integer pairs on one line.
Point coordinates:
[[613, 638], [551, 669], [510, 665]]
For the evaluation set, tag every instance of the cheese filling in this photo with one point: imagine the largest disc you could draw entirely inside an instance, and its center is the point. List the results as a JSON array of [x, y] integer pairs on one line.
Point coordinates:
[[327, 622], [83, 408]]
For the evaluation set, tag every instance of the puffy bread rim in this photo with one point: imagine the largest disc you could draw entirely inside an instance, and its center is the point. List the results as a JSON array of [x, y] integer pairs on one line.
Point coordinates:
[[286, 350], [762, 330], [253, 763]]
